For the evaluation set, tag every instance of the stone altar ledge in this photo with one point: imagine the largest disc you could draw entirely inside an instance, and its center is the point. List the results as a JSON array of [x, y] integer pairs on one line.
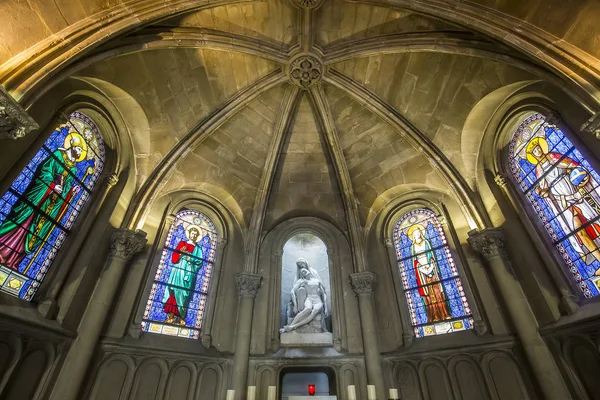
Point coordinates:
[[312, 398], [295, 339]]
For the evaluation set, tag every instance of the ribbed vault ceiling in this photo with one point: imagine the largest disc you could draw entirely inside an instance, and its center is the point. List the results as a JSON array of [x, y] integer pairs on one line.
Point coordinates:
[[389, 113]]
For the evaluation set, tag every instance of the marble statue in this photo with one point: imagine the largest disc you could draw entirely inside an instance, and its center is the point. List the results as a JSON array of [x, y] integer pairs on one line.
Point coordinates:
[[307, 308]]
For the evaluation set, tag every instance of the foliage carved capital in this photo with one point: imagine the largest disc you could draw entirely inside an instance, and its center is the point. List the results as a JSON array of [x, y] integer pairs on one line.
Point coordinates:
[[248, 284], [489, 242], [125, 243], [305, 70], [363, 282], [14, 120]]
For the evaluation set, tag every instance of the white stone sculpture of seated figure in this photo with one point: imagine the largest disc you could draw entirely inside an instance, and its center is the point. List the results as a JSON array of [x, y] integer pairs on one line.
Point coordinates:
[[308, 301]]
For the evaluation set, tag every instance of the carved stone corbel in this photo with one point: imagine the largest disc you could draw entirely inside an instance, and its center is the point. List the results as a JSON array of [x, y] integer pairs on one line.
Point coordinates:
[[14, 120]]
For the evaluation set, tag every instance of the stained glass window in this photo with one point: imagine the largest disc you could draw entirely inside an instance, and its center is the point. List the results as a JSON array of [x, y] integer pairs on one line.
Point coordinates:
[[178, 295], [432, 286], [40, 207], [563, 189]]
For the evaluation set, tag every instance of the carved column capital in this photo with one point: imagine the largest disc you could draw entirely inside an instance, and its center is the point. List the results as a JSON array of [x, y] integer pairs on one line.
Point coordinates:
[[363, 282], [489, 242], [125, 243], [501, 180], [14, 120], [222, 243], [592, 125], [111, 180], [248, 284]]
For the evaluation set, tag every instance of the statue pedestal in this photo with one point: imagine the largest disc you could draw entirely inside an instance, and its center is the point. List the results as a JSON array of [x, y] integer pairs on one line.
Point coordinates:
[[295, 339], [312, 398]]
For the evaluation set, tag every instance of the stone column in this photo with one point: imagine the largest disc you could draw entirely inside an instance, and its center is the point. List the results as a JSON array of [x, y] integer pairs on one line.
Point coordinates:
[[489, 243], [248, 285], [124, 245], [363, 284]]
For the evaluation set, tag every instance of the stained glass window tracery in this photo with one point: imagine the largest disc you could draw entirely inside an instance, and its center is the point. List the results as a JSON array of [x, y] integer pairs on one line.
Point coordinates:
[[562, 188], [178, 295], [40, 207], [432, 286]]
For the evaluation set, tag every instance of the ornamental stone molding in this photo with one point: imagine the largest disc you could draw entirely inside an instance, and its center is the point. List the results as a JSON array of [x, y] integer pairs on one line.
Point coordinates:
[[248, 284], [305, 70], [307, 4], [501, 180], [489, 242], [14, 120], [363, 282], [592, 125], [125, 243]]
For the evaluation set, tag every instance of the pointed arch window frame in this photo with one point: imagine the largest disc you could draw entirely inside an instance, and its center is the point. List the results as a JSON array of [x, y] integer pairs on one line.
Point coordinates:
[[479, 326], [559, 269], [89, 192]]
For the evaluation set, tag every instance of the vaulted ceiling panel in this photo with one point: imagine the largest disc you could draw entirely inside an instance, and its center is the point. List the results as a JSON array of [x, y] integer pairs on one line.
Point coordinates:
[[272, 20], [305, 182], [434, 91], [338, 21], [232, 158], [378, 157], [178, 88]]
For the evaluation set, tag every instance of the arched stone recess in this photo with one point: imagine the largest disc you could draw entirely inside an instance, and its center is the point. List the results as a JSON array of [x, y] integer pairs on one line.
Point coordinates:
[[113, 378], [467, 378], [210, 382], [72, 275], [539, 267], [222, 297], [435, 381], [345, 319], [395, 327], [583, 358], [150, 379], [11, 348], [406, 377], [348, 374], [182, 381], [265, 376], [32, 372], [504, 378]]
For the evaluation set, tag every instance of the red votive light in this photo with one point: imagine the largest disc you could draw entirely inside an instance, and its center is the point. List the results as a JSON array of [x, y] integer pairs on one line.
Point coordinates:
[[311, 390]]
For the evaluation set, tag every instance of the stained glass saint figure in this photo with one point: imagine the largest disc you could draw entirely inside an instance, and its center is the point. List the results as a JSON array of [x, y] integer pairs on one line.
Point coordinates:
[[563, 188], [39, 208], [427, 275], [178, 296], [434, 293]]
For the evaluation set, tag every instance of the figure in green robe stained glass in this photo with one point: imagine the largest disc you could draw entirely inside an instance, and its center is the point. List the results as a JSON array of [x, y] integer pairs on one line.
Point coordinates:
[[183, 276], [43, 202], [45, 199]]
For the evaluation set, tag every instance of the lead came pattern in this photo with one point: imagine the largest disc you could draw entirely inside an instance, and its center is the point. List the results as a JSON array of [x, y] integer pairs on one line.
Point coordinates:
[[35, 216], [562, 187], [432, 287], [177, 299]]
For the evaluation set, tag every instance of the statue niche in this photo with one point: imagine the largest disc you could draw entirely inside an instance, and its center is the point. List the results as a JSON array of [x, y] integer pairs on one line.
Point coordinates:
[[305, 293], [307, 308]]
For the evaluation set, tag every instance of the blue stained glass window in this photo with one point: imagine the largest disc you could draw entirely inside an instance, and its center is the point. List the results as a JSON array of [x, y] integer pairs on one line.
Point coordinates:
[[432, 286], [562, 188], [180, 288], [40, 207]]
